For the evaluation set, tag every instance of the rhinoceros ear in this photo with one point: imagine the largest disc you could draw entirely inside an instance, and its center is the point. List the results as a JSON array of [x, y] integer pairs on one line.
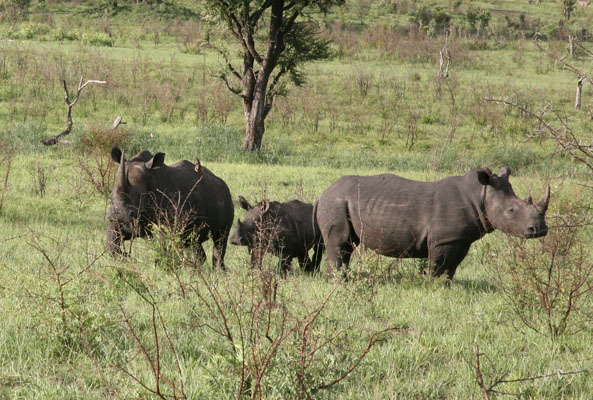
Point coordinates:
[[116, 153], [504, 172], [244, 203], [484, 176], [157, 161]]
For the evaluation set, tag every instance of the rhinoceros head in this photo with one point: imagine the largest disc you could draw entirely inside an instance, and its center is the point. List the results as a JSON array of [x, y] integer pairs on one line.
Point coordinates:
[[246, 231], [129, 195], [507, 212]]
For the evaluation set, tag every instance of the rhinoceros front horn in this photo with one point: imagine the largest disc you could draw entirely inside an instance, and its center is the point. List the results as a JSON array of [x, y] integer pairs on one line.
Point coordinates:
[[543, 205], [121, 180]]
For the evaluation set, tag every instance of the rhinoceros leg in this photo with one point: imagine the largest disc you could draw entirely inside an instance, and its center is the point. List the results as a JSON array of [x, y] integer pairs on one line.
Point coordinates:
[[317, 255], [306, 264], [445, 259], [285, 263], [338, 256], [200, 255], [338, 235], [219, 250]]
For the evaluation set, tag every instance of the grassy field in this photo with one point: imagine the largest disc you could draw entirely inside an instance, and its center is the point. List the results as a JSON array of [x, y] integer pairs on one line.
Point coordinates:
[[79, 324]]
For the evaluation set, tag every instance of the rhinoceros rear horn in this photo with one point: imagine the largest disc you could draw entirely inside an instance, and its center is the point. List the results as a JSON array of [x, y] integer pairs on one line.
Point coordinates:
[[543, 205], [529, 200], [504, 172], [265, 205]]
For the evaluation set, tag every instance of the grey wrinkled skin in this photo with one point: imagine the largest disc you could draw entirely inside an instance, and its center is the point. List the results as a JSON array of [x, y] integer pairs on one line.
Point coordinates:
[[439, 220], [283, 229], [148, 191]]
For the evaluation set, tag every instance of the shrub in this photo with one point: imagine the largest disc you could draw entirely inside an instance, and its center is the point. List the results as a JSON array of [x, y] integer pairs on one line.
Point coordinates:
[[548, 283], [95, 161], [97, 39]]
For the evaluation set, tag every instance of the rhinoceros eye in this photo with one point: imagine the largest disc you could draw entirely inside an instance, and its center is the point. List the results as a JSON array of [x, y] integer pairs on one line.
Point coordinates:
[[511, 210]]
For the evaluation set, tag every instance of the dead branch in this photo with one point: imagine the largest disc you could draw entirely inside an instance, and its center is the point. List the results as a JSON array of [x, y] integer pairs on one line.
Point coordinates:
[[586, 50], [444, 55], [373, 340], [479, 376], [116, 123], [560, 60], [155, 361], [71, 103], [567, 140], [491, 389]]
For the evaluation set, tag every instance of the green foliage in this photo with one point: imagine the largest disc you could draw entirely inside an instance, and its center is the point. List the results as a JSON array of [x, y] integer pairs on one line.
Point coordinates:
[[568, 8], [433, 20], [97, 39], [302, 45], [482, 17]]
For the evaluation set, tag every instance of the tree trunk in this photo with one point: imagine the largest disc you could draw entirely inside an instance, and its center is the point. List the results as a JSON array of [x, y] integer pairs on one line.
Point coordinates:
[[255, 114], [254, 129], [256, 110]]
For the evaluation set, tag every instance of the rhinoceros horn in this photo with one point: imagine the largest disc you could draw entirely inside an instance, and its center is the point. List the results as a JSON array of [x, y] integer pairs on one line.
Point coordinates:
[[265, 206], [121, 179], [543, 205]]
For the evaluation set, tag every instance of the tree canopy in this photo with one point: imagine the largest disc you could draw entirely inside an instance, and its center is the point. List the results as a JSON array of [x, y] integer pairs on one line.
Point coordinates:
[[276, 39]]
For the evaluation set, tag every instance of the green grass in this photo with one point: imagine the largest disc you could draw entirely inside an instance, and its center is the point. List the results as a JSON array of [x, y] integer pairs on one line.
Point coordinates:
[[333, 126]]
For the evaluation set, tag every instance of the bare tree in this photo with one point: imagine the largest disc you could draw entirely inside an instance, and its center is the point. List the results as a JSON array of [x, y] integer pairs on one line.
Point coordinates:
[[288, 44], [71, 103]]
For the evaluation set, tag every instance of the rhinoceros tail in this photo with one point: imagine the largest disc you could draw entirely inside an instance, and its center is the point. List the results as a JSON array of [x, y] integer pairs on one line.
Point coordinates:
[[318, 246]]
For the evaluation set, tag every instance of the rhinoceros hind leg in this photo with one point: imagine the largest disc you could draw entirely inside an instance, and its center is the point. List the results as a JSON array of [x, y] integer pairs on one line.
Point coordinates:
[[338, 235], [317, 255], [219, 250], [200, 255]]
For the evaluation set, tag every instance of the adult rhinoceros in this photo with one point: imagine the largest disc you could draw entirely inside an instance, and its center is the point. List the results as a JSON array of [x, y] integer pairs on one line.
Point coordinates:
[[398, 217], [147, 191]]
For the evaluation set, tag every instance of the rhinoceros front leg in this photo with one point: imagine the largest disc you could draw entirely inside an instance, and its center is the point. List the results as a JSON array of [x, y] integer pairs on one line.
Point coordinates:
[[306, 264], [445, 259], [285, 263]]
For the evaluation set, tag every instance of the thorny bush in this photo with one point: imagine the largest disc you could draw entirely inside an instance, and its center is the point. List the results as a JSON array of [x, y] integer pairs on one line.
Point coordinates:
[[547, 283]]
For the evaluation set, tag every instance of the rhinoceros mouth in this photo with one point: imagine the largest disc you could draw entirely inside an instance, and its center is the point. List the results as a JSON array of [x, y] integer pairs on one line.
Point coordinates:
[[537, 234]]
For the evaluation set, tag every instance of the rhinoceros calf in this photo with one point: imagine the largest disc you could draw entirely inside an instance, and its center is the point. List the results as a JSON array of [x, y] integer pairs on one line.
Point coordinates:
[[147, 191], [284, 229], [398, 217]]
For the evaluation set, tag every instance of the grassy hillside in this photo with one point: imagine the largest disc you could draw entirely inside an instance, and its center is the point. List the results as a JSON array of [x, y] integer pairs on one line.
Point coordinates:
[[79, 324]]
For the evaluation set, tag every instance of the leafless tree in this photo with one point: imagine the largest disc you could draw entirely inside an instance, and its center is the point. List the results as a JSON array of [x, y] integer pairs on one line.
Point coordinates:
[[70, 103]]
